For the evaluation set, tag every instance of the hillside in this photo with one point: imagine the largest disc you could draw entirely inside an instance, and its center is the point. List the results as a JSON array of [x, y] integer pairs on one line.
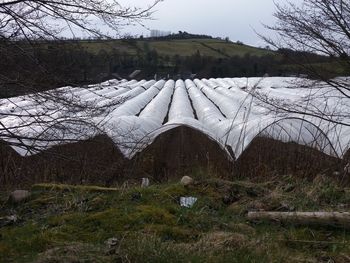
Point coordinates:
[[215, 48], [79, 62]]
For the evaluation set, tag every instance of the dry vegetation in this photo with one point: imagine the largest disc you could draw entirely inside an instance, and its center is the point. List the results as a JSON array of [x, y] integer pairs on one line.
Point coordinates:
[[178, 152], [62, 223]]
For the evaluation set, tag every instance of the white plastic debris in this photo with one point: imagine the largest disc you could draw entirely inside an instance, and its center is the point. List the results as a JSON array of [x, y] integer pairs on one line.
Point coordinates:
[[188, 201], [145, 182]]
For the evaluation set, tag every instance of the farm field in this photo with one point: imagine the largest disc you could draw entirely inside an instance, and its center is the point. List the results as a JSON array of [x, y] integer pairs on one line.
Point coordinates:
[[168, 128], [149, 131], [84, 174], [183, 47], [230, 111]]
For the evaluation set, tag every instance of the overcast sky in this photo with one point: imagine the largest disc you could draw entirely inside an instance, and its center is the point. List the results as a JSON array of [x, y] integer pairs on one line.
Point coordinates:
[[236, 19]]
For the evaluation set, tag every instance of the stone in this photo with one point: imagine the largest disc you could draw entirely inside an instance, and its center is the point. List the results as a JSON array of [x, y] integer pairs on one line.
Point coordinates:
[[18, 196], [186, 181]]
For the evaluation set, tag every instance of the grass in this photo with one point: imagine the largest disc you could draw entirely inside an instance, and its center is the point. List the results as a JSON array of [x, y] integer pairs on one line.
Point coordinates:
[[206, 47], [62, 223], [109, 45]]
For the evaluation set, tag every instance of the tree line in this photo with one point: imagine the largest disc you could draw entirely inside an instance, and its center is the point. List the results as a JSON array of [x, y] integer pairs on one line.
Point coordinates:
[[68, 63]]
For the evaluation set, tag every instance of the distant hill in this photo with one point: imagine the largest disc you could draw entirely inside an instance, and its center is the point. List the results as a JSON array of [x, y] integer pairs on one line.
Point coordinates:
[[182, 55], [165, 46]]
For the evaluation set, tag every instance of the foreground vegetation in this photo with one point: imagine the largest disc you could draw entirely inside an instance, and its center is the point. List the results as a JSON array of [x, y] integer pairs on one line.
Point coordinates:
[[62, 223]]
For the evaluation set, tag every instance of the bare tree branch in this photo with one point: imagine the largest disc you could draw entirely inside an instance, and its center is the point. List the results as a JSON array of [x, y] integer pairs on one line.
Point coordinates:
[[321, 27]]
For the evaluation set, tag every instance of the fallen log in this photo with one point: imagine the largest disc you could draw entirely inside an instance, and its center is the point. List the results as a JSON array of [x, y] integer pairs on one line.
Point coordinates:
[[336, 219]]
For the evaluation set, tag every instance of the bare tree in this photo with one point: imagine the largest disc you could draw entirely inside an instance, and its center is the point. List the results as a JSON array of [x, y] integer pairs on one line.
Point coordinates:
[[323, 28], [49, 116], [48, 19], [24, 24], [36, 120]]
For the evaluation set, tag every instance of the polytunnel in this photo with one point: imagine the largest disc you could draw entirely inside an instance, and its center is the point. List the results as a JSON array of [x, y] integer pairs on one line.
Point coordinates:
[[137, 115]]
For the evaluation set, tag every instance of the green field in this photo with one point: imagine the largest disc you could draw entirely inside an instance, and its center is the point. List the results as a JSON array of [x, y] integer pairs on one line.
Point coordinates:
[[206, 47]]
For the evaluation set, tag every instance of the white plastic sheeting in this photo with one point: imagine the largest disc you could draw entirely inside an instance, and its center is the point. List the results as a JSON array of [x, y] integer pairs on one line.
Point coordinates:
[[225, 109], [181, 105], [157, 109], [134, 105]]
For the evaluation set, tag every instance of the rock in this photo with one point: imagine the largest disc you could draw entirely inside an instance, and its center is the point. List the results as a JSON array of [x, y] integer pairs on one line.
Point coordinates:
[[186, 181], [18, 196], [145, 182]]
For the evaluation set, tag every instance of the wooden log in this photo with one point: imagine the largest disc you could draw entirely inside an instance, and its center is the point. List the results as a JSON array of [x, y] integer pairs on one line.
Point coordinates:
[[336, 219]]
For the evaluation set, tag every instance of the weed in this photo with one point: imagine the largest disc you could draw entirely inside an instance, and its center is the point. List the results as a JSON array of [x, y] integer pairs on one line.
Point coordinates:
[[72, 224]]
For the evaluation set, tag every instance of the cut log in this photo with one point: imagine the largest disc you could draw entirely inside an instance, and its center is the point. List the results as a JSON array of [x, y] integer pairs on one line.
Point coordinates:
[[336, 219]]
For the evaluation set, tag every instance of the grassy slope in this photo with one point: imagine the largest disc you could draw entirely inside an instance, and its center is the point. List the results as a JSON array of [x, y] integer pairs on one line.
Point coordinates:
[[108, 46], [72, 224], [179, 47], [206, 47]]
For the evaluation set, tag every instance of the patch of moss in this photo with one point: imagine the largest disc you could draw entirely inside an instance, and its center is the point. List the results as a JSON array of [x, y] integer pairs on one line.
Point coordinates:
[[152, 214]]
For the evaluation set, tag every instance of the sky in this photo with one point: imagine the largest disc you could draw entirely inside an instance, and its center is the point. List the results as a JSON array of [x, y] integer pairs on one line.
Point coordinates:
[[236, 19]]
